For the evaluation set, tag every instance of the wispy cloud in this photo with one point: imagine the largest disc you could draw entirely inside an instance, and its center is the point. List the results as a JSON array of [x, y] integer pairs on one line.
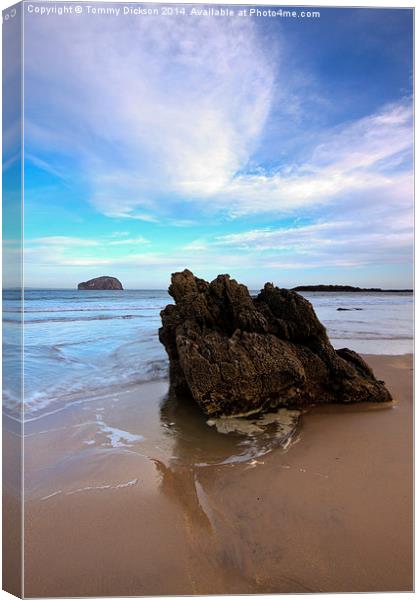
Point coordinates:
[[129, 241], [367, 156], [181, 120], [336, 243], [63, 245], [43, 256], [176, 127], [183, 123], [63, 241]]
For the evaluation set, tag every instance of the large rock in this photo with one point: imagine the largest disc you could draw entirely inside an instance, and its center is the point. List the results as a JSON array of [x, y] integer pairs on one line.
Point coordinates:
[[237, 355], [101, 283]]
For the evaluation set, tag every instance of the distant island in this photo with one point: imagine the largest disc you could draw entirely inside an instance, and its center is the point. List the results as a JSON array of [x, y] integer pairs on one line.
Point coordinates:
[[340, 288], [101, 283]]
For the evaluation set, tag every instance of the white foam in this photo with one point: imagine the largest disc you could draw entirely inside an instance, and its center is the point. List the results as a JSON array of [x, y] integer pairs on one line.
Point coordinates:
[[128, 484], [89, 488], [118, 438], [52, 495], [284, 419], [108, 486]]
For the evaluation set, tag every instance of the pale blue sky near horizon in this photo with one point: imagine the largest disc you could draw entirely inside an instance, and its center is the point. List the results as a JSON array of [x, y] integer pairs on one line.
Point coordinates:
[[271, 149]]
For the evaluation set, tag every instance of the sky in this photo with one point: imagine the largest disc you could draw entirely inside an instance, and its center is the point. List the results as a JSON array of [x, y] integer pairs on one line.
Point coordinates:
[[270, 149]]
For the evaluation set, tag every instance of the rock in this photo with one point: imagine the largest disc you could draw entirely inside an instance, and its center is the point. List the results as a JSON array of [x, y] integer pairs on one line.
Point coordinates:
[[345, 288], [340, 308], [101, 283], [237, 355], [335, 288]]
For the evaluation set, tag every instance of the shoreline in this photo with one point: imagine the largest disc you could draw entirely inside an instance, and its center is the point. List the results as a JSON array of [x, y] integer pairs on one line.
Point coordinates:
[[119, 493], [81, 398]]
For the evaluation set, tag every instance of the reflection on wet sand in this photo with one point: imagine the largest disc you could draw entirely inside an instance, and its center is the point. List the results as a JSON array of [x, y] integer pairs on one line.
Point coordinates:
[[166, 504], [197, 445], [203, 442]]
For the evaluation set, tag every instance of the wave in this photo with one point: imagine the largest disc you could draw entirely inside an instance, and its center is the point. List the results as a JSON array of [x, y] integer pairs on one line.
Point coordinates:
[[82, 344], [368, 335], [41, 402], [73, 319], [96, 309], [88, 296]]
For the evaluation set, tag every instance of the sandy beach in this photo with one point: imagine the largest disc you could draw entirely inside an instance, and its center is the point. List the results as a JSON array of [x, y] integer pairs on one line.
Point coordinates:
[[134, 494], [208, 299]]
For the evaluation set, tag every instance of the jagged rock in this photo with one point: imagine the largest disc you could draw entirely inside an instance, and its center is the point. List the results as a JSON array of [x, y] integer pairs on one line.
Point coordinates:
[[237, 355], [101, 283]]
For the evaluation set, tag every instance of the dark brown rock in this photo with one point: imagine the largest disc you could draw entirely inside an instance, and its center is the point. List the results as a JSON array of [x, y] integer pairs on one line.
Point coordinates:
[[101, 283], [238, 355]]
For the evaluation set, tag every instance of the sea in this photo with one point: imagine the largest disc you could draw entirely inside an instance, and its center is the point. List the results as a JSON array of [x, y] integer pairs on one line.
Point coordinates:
[[78, 344]]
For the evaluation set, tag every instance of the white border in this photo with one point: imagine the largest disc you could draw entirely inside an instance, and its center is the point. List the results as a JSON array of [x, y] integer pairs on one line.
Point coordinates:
[[319, 3]]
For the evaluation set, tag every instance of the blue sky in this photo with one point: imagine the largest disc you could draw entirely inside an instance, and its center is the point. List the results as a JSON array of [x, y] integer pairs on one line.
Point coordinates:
[[274, 150]]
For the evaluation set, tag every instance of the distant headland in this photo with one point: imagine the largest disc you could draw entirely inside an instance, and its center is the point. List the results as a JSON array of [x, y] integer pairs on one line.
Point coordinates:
[[340, 288], [101, 283]]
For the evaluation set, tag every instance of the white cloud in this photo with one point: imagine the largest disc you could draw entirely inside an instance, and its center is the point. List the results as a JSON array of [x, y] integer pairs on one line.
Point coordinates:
[[129, 241], [346, 243], [180, 123], [357, 158], [152, 119], [61, 245], [64, 241], [284, 238], [120, 234], [43, 256], [196, 246], [182, 119]]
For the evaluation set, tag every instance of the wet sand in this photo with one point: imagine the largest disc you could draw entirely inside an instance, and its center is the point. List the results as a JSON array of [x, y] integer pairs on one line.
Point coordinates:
[[133, 494]]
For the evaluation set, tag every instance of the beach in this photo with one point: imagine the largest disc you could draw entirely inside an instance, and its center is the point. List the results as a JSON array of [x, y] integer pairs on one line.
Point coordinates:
[[208, 300], [132, 493]]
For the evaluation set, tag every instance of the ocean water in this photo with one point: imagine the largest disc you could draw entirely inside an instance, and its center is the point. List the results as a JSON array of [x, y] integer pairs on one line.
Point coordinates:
[[79, 344]]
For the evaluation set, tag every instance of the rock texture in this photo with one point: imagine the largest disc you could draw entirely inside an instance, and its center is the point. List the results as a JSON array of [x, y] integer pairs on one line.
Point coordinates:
[[101, 283], [238, 355]]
